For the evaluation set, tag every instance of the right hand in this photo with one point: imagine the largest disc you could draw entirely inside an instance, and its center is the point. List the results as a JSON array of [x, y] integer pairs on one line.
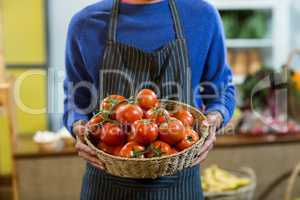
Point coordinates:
[[84, 151]]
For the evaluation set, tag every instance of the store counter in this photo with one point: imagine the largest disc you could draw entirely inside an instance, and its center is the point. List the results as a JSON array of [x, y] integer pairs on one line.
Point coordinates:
[[58, 174]]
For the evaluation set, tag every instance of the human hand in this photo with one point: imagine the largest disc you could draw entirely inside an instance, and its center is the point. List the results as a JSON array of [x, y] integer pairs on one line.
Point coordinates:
[[214, 120], [84, 151]]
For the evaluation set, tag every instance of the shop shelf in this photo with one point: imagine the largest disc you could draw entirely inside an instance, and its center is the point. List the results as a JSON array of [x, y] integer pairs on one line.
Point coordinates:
[[247, 139], [26, 148], [249, 43], [243, 4]]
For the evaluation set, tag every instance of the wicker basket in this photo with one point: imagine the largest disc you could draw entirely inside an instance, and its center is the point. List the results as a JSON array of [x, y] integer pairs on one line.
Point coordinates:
[[292, 183], [243, 193], [161, 166]]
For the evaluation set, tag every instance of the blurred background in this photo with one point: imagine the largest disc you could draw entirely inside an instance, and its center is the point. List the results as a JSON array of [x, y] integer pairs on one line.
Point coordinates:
[[37, 158]]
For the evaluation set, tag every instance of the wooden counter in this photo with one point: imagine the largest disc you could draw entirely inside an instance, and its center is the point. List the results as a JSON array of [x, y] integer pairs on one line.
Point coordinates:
[[43, 174], [242, 140], [26, 148]]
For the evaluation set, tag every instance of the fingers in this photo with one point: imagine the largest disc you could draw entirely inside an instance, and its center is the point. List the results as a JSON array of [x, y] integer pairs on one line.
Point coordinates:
[[202, 157], [79, 131], [208, 142], [216, 118], [80, 146], [97, 166], [212, 134], [89, 155], [92, 160]]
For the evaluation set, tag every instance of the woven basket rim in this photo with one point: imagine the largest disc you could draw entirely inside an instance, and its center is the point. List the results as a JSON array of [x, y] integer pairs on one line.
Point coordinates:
[[203, 137], [140, 159], [247, 173]]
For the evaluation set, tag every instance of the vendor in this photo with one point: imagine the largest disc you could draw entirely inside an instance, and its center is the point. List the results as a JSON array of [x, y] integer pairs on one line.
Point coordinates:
[[177, 48]]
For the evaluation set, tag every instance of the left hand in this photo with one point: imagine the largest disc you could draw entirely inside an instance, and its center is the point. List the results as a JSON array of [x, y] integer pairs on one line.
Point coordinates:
[[215, 120]]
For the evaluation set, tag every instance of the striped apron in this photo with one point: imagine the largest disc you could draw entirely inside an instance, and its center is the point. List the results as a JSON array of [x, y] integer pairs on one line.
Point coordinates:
[[125, 70]]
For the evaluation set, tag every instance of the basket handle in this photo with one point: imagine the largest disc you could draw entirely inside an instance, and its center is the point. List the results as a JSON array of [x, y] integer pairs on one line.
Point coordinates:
[[292, 182], [90, 144]]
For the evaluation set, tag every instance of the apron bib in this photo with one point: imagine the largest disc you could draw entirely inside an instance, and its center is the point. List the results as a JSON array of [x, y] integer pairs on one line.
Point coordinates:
[[124, 71]]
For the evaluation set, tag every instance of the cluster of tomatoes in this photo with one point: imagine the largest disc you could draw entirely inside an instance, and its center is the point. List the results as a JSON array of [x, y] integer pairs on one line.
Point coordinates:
[[140, 127]]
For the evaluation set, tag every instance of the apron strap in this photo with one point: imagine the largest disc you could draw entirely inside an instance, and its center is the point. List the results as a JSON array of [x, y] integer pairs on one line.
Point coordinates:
[[113, 23], [176, 19]]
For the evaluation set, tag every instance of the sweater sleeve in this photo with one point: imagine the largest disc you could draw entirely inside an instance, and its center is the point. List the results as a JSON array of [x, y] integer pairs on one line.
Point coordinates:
[[218, 92], [77, 84]]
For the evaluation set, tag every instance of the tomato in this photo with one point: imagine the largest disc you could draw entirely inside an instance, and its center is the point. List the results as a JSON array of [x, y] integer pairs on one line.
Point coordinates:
[[116, 150], [132, 150], [185, 117], [94, 128], [95, 135], [144, 131], [158, 115], [109, 102], [190, 138], [113, 150], [130, 137], [129, 113], [158, 148], [94, 123], [104, 147], [112, 134], [147, 99], [171, 131], [173, 151]]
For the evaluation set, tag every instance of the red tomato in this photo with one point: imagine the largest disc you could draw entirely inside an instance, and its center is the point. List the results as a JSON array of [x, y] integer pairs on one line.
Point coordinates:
[[112, 134], [173, 151], [109, 102], [104, 147], [144, 131], [171, 131], [158, 115], [129, 113], [116, 150], [132, 150], [172, 115], [113, 115], [159, 148], [94, 128], [185, 117], [94, 123], [95, 135], [147, 99], [130, 137], [190, 138], [113, 150]]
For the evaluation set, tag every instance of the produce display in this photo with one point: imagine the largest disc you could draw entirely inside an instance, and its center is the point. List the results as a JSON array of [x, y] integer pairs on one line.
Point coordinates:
[[215, 179], [140, 127]]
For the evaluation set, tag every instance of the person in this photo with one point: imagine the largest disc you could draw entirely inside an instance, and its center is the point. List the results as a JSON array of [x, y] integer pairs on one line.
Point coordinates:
[[119, 47]]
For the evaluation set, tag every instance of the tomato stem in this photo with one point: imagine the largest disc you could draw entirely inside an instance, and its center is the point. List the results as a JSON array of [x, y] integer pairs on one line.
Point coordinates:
[[190, 138], [146, 121], [157, 152], [136, 154]]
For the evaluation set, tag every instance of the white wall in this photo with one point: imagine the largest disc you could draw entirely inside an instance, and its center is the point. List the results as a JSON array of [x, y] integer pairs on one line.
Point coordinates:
[[295, 31], [60, 13], [295, 24]]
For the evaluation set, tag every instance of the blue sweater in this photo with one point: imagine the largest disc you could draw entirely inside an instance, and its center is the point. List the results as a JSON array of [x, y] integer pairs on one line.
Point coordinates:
[[149, 26]]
